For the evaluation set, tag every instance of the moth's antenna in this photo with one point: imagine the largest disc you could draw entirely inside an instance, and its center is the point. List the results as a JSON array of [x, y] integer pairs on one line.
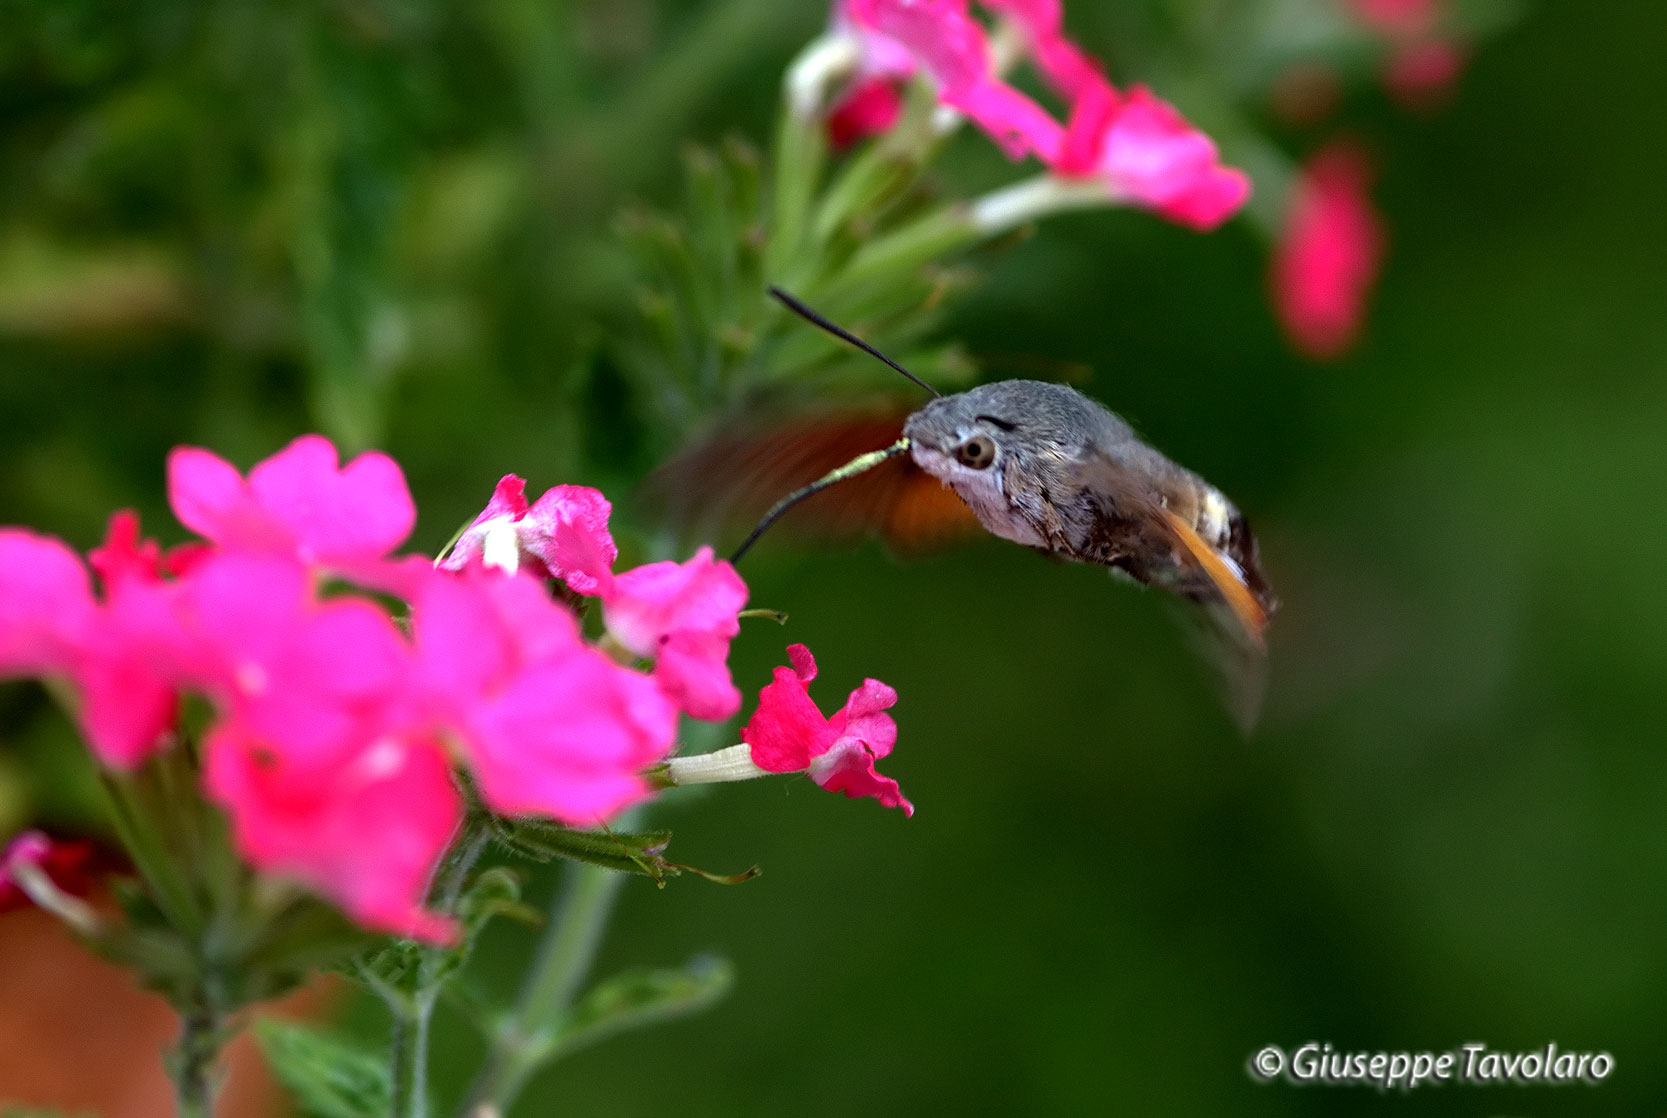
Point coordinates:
[[811, 316], [860, 464]]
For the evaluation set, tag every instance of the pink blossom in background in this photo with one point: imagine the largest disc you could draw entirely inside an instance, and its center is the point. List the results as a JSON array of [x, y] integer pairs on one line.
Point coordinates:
[[683, 615], [871, 107], [1329, 253], [1397, 17], [29, 848], [297, 501], [1066, 67], [952, 48], [72, 865], [564, 534], [367, 831], [788, 733], [1421, 75], [1147, 153], [1138, 145]]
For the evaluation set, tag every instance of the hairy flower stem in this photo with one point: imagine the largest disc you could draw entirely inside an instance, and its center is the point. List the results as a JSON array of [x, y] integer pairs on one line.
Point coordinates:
[[191, 1063], [413, 1019], [579, 916]]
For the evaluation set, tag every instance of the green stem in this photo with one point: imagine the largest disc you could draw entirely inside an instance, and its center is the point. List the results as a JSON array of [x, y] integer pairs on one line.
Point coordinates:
[[193, 1058], [578, 918], [906, 249], [413, 1020], [410, 1055], [145, 845]]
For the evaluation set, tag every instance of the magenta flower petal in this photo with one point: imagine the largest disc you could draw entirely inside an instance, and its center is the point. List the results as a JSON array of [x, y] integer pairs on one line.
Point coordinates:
[[649, 603], [1015, 122], [359, 511], [691, 669], [849, 768], [569, 738], [1327, 259], [208, 496], [1065, 66], [368, 834], [787, 730], [124, 554], [1397, 17], [570, 536], [787, 733], [863, 718], [684, 615], [507, 505], [476, 629], [871, 107], [1421, 75], [940, 34], [46, 604], [129, 703], [564, 534], [297, 501]]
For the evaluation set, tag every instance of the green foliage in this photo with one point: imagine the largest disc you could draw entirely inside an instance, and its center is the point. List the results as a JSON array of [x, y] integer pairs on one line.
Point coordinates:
[[642, 997], [327, 1076]]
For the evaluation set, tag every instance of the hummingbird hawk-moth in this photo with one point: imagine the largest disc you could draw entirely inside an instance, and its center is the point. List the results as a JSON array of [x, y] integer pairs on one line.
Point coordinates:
[[1037, 463], [1045, 466]]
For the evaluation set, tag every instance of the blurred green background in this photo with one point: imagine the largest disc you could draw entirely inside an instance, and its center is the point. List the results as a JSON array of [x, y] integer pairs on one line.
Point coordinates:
[[227, 224]]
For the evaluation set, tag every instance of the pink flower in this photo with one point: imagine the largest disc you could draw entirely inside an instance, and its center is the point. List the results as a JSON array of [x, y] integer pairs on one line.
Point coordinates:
[[298, 501], [564, 534], [316, 680], [1421, 75], [30, 848], [367, 830], [871, 107], [46, 604], [683, 615], [550, 725], [70, 866], [1065, 66], [1328, 257], [950, 45], [1146, 152], [789, 734], [1397, 17], [117, 653], [1139, 147], [569, 737]]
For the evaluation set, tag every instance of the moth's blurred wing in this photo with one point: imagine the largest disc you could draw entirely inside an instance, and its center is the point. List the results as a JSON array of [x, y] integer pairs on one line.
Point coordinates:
[[1238, 667], [724, 485], [1241, 604]]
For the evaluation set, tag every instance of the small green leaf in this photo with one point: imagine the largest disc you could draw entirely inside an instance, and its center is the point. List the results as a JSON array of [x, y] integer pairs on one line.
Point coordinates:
[[329, 1079], [642, 997]]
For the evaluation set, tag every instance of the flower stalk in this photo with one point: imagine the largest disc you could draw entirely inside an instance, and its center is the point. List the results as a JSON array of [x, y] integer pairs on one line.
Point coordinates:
[[527, 1039]]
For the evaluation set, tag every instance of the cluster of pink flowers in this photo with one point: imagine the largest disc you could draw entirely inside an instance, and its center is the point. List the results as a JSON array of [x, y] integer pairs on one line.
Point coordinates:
[[337, 727], [1134, 146]]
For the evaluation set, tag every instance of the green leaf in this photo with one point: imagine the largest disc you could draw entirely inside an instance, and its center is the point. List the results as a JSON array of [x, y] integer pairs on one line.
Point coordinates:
[[494, 892], [329, 1079], [643, 997]]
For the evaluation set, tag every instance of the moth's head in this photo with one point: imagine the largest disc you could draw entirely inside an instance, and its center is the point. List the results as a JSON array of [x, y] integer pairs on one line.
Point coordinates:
[[966, 439]]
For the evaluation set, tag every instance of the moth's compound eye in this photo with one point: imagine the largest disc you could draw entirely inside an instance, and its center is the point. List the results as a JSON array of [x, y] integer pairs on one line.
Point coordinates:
[[976, 453]]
